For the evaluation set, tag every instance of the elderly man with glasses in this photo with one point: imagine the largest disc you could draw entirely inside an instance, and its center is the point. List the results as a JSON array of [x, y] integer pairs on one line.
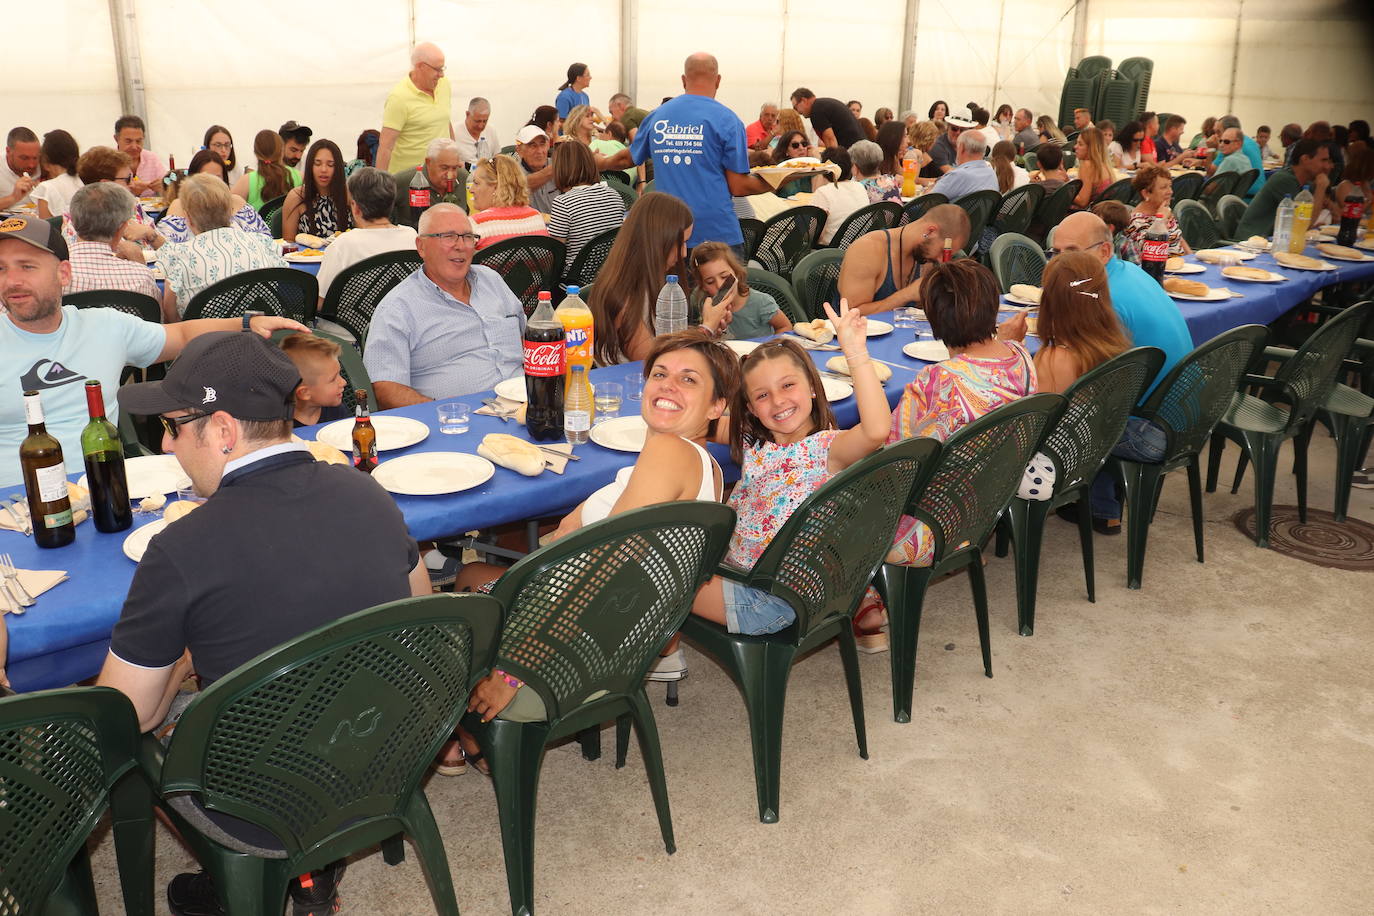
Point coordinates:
[[450, 329], [417, 111]]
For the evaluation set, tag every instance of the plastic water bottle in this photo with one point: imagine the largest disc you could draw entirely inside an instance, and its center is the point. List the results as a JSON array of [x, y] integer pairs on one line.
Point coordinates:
[[1302, 220], [577, 407], [670, 313], [1283, 224]]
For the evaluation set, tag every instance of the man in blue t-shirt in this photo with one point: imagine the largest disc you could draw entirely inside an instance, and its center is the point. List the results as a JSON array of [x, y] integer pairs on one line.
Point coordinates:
[[54, 350], [699, 154], [1151, 319]]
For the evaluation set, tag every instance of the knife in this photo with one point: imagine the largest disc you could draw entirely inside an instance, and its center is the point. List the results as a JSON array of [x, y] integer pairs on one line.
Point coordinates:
[[553, 451]]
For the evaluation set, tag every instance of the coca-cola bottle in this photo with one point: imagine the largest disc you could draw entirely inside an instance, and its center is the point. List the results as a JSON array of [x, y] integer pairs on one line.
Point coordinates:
[[545, 352], [1155, 252], [419, 193], [1352, 210]]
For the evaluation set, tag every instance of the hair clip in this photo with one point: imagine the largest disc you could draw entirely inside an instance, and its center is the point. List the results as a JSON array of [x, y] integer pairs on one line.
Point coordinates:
[[1084, 292]]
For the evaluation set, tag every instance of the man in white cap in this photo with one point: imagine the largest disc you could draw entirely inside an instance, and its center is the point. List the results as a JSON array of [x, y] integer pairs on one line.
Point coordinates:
[[945, 153], [532, 149]]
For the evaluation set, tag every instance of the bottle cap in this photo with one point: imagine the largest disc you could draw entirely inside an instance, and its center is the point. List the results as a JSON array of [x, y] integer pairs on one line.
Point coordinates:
[[672, 278], [574, 290], [545, 294]]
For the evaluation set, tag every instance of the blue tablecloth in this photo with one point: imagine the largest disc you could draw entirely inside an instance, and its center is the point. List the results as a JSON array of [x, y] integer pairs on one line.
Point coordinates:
[[64, 638]]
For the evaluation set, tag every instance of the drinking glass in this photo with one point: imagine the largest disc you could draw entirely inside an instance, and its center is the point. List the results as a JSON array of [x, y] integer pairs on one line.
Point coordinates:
[[634, 386], [607, 400], [454, 418], [906, 317], [188, 494]]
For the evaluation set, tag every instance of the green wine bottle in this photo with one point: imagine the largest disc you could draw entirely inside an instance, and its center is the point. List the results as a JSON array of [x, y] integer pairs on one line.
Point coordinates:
[[105, 477]]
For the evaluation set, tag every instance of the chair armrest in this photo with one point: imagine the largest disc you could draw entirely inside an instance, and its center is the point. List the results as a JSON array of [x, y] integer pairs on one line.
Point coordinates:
[[733, 573], [1363, 345], [1279, 353]]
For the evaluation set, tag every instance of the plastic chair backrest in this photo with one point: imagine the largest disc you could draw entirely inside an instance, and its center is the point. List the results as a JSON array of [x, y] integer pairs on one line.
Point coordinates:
[[622, 187], [273, 290], [1090, 67], [1214, 188], [817, 280], [1191, 398], [1245, 182], [270, 211], [1016, 259], [1017, 208], [1056, 204], [350, 367], [1032, 160], [882, 215], [980, 468], [130, 303], [527, 263], [780, 289], [1117, 190], [1199, 229], [337, 727], [61, 752], [353, 294], [586, 615], [917, 208], [587, 264], [1305, 380], [1098, 404], [1186, 187], [752, 230], [829, 548], [1230, 209], [616, 176], [788, 236], [980, 206]]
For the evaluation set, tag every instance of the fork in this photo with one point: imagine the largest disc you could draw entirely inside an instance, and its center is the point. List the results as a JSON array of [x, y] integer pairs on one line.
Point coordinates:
[[12, 580], [19, 509], [495, 407]]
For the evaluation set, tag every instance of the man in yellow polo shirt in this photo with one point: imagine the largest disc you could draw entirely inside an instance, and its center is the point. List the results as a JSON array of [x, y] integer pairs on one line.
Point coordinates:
[[416, 112]]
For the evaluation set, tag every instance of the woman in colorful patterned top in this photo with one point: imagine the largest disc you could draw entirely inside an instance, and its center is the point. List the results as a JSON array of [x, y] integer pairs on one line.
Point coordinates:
[[986, 369], [783, 436]]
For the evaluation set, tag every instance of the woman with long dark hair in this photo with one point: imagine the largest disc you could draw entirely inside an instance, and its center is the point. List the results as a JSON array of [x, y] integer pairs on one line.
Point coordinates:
[[218, 138], [320, 205], [547, 119]]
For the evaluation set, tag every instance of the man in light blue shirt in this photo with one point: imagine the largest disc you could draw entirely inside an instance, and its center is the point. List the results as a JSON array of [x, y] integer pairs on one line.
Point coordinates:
[[1247, 147], [450, 329], [1233, 158], [971, 171]]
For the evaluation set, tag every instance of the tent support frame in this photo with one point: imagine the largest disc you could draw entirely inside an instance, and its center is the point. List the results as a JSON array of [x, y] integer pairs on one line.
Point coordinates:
[[129, 62]]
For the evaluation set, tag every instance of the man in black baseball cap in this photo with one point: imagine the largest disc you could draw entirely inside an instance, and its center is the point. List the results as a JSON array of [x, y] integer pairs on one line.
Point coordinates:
[[282, 545], [294, 139]]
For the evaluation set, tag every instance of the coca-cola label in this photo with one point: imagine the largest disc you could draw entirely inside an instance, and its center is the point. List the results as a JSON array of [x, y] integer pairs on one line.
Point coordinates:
[[1353, 209], [419, 197], [544, 359], [1155, 250]]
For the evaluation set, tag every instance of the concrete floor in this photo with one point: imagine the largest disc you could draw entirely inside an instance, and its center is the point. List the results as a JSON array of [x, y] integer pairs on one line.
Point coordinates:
[[1204, 745]]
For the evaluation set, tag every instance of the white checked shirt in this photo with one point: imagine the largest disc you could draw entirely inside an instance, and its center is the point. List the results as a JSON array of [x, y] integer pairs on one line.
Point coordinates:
[[96, 266], [212, 256]]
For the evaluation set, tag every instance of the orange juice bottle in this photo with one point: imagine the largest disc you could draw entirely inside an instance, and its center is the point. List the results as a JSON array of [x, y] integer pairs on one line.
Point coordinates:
[[576, 319], [909, 178]]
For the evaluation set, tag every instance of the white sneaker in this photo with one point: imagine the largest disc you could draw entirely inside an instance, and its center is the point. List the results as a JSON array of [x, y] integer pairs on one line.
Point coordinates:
[[670, 667]]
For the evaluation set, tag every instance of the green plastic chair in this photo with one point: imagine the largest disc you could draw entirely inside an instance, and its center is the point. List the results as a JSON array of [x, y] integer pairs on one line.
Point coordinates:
[[585, 618], [1214, 189], [323, 742], [130, 303], [648, 187], [1054, 208], [353, 294], [271, 290], [883, 215], [270, 211], [622, 187], [820, 563], [587, 264], [350, 367], [1245, 182], [1260, 426], [1016, 259], [980, 206], [1031, 160], [1186, 404], [979, 470], [1230, 209], [1017, 209], [752, 230], [1186, 187], [780, 290], [817, 280], [1199, 229], [67, 756], [919, 207], [1098, 405], [788, 236], [529, 264], [1117, 190]]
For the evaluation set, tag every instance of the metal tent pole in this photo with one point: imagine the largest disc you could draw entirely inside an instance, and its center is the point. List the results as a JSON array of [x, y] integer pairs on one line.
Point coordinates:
[[129, 62], [629, 50], [906, 90]]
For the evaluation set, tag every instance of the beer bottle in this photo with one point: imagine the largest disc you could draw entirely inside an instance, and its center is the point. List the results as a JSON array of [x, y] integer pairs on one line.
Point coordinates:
[[364, 435], [45, 480], [103, 455]]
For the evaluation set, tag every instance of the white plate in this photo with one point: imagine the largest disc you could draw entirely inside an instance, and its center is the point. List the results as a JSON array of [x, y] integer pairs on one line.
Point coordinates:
[[151, 475], [513, 389], [433, 473], [1187, 269], [1340, 257], [836, 390], [1249, 246], [392, 433], [1215, 294], [296, 257], [1367, 243], [1272, 278], [742, 347], [1020, 301], [876, 328], [1246, 254], [1324, 266], [623, 434], [138, 539], [932, 351]]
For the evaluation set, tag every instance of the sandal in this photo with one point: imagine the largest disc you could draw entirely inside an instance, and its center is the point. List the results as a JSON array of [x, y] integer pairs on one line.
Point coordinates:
[[445, 754], [871, 638], [477, 760]]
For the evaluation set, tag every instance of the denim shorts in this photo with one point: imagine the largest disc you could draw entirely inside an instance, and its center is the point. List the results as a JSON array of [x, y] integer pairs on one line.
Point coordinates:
[[751, 612]]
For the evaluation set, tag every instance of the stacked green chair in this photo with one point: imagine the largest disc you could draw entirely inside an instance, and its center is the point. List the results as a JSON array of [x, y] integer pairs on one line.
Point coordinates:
[[354, 294], [1016, 259], [1117, 190], [1260, 425], [350, 367], [1098, 405], [1215, 188], [529, 264], [1017, 209], [270, 211], [918, 207], [1186, 404], [885, 214], [980, 207], [979, 471], [130, 303], [780, 290], [1187, 185], [1199, 229], [585, 618], [820, 563], [1140, 70], [1230, 209], [788, 237], [66, 757], [752, 230], [1054, 208], [817, 280], [584, 268], [271, 290], [323, 742]]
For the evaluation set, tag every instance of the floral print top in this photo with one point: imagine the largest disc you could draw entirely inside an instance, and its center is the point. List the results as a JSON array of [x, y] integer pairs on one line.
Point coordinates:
[[775, 480]]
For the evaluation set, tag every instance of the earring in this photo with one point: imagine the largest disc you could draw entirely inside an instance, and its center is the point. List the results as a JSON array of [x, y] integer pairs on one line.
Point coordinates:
[[225, 450]]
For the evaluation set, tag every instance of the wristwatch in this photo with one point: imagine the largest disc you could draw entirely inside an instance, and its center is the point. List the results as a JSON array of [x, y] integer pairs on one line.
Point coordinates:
[[248, 317]]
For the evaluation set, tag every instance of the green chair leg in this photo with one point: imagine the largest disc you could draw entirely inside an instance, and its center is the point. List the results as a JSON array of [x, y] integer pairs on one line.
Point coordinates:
[[590, 739], [515, 751], [762, 669], [394, 850], [1352, 436], [131, 814], [1218, 444], [429, 846], [980, 607], [622, 740], [1085, 545], [1300, 469], [1141, 482], [75, 895], [649, 746], [904, 590], [849, 656], [1195, 498], [1026, 519], [1265, 453]]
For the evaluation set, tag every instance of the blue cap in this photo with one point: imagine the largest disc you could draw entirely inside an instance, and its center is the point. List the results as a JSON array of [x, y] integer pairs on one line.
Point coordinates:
[[672, 278], [574, 290]]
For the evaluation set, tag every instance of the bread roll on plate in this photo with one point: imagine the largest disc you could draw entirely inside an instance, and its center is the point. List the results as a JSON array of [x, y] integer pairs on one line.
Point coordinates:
[[818, 330], [1301, 261], [179, 509], [840, 365], [511, 452], [1186, 287], [306, 240], [1025, 291], [1174, 263], [1246, 273], [1341, 251]]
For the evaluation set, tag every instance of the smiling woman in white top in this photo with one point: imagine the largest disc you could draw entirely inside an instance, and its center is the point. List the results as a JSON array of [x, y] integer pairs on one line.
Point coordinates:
[[371, 193], [57, 160], [839, 199]]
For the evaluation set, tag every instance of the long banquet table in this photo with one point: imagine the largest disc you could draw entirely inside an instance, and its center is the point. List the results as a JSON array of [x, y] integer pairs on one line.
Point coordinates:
[[65, 636]]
